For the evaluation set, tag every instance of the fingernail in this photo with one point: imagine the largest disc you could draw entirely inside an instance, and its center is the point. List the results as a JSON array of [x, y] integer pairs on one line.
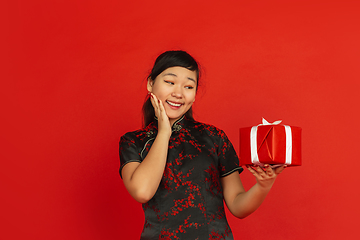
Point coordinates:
[[285, 166]]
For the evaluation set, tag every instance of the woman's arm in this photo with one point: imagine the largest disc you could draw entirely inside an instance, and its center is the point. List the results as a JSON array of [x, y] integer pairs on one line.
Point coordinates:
[[241, 203], [142, 179]]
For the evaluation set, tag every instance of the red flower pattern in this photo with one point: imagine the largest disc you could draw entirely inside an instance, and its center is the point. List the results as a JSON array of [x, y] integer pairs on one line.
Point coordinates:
[[189, 201]]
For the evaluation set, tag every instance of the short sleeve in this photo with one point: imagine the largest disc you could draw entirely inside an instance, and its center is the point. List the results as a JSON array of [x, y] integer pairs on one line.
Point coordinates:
[[228, 159], [128, 151]]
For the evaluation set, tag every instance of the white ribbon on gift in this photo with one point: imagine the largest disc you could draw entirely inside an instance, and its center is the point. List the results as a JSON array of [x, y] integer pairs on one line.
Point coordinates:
[[253, 142]]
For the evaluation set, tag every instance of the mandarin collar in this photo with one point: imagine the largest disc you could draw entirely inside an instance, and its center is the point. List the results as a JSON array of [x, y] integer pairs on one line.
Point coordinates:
[[178, 124]]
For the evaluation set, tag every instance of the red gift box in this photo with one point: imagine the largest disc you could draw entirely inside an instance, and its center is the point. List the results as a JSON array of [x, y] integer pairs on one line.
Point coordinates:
[[270, 143]]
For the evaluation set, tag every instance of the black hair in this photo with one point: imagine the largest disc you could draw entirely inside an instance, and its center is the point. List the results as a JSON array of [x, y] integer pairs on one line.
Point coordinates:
[[164, 61]]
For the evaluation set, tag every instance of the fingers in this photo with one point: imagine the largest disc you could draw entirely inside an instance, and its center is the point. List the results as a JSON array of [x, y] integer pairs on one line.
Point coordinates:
[[257, 171], [266, 171], [157, 104], [269, 171], [159, 108], [278, 170], [154, 101], [252, 171]]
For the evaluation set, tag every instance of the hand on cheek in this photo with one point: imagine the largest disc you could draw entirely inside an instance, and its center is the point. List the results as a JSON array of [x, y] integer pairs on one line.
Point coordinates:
[[163, 120]]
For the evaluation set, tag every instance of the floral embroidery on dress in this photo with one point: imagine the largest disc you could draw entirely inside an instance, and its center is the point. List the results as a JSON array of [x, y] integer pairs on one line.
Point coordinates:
[[189, 201]]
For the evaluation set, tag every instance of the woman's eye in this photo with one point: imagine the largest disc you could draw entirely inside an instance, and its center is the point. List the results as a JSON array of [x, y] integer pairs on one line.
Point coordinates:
[[189, 87], [169, 82]]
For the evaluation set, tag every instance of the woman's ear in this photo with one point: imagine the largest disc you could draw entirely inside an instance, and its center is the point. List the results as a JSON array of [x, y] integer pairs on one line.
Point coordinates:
[[150, 83]]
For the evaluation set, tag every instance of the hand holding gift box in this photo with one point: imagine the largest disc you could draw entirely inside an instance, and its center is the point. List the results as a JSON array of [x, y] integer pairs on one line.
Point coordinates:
[[270, 143]]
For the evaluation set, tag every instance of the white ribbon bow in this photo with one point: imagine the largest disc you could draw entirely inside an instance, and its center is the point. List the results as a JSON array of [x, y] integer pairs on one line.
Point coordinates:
[[253, 142], [264, 122]]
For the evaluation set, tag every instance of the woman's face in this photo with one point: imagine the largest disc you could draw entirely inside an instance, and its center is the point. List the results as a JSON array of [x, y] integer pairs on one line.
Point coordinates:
[[176, 88]]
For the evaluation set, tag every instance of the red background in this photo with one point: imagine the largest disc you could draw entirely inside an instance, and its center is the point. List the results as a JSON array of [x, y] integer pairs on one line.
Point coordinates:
[[72, 82]]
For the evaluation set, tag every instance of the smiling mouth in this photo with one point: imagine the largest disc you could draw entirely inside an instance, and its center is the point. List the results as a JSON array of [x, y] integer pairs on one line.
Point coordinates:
[[174, 104]]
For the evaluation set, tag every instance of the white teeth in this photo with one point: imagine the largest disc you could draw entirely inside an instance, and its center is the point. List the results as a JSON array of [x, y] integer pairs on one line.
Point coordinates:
[[174, 104]]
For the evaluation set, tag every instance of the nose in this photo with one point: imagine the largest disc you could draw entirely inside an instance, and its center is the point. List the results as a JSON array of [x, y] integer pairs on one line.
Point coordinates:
[[177, 92]]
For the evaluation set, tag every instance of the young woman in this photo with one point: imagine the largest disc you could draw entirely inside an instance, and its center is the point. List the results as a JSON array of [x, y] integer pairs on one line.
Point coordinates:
[[183, 170]]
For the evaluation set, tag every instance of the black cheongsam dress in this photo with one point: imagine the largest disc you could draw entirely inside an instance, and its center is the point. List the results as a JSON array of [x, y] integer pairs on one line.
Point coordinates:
[[189, 201]]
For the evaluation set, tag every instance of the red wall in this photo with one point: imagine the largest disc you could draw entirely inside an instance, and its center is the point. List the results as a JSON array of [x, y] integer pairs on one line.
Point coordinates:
[[72, 84]]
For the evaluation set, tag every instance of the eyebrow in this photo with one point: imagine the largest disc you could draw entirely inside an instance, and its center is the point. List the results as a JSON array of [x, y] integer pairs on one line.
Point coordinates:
[[173, 74]]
